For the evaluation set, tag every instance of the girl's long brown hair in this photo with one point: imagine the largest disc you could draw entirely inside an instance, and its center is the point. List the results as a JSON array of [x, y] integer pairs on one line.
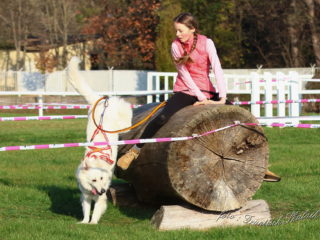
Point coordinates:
[[188, 20]]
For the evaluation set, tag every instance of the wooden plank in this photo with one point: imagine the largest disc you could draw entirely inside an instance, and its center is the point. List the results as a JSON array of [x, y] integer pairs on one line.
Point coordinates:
[[180, 217]]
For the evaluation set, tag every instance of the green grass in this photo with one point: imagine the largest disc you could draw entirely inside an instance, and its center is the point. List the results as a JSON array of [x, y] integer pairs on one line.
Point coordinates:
[[39, 198]]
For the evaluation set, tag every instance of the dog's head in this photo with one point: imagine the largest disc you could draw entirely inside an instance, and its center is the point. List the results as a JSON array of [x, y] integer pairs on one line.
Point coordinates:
[[93, 179]]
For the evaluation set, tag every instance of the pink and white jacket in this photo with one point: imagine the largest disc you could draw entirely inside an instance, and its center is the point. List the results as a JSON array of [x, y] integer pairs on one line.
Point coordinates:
[[194, 77]]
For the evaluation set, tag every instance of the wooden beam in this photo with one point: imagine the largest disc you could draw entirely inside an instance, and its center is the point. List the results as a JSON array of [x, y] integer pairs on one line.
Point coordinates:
[[180, 217]]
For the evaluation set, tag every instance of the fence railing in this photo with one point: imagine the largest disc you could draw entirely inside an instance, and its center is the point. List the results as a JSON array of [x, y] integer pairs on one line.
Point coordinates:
[[40, 95], [165, 80], [266, 86]]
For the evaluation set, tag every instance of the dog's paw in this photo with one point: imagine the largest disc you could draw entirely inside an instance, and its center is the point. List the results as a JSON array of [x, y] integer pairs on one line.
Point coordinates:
[[83, 222], [93, 222]]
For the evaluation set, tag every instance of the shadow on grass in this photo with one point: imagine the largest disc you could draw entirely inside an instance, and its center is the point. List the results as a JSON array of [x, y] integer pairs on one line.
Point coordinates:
[[5, 182], [65, 201], [140, 213], [126, 201]]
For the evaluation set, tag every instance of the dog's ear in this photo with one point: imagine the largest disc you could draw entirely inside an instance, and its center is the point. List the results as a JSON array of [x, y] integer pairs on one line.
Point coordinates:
[[85, 165]]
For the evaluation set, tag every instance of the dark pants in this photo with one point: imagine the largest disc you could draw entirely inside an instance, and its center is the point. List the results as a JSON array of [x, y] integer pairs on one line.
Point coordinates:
[[178, 101]]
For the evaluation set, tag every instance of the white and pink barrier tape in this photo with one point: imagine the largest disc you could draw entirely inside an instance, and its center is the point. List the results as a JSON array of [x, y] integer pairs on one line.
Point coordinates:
[[276, 80], [36, 106], [45, 107], [152, 140], [8, 107], [278, 101], [5, 119]]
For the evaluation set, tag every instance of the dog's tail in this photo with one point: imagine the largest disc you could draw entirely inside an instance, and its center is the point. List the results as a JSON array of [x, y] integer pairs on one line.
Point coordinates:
[[78, 81]]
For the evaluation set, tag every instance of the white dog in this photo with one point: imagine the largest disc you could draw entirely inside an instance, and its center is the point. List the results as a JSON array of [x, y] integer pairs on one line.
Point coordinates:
[[95, 171]]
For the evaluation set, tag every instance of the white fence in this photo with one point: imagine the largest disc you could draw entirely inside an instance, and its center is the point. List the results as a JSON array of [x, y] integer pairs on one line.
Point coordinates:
[[269, 83], [100, 81], [282, 87]]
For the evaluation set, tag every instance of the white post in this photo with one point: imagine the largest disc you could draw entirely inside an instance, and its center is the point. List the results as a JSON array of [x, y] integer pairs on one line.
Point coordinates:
[[166, 86], [236, 82], [40, 101], [149, 86], [157, 87], [255, 94], [268, 94], [110, 72], [294, 95], [281, 93]]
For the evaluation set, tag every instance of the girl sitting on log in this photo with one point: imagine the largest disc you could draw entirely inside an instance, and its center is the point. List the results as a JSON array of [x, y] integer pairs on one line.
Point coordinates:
[[193, 55]]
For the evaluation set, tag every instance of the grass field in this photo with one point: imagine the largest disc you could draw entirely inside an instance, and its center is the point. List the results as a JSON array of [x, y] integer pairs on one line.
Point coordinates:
[[39, 198]]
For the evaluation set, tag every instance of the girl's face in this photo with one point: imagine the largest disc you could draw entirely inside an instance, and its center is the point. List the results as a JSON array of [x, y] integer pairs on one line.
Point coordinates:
[[183, 32]]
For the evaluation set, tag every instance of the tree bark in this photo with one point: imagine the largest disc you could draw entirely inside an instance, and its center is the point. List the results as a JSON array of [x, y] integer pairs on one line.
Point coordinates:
[[218, 172], [294, 31], [315, 33]]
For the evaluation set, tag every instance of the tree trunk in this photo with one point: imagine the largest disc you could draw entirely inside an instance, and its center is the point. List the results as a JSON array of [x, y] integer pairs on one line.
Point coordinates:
[[294, 31], [218, 172], [315, 33]]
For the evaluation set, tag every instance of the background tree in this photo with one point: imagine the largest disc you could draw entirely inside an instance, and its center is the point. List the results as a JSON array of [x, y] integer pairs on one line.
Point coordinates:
[[127, 30], [137, 34], [17, 17], [277, 34], [313, 16], [217, 20], [60, 24], [165, 35]]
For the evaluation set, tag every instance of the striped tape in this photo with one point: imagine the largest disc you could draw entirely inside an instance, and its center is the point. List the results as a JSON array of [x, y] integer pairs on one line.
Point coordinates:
[[57, 104], [276, 80], [152, 140], [301, 125], [45, 107], [277, 101], [261, 80], [4, 119], [13, 107], [136, 106]]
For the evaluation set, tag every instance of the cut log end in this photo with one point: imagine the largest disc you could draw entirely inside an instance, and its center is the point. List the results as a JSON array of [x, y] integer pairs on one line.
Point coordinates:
[[220, 171]]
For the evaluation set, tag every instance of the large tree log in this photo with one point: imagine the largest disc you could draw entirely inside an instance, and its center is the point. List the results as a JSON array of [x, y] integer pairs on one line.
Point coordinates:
[[218, 172]]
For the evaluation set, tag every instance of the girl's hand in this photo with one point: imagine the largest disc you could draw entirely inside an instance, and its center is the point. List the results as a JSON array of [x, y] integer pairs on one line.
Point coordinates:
[[221, 101], [203, 102], [206, 102]]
